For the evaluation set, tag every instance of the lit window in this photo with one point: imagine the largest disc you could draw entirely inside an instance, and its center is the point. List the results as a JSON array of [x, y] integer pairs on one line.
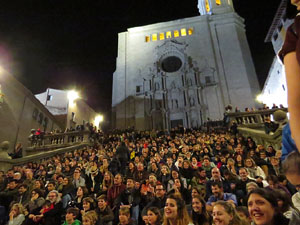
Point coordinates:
[[176, 33], [183, 32], [147, 38], [161, 36], [207, 6], [218, 2], [190, 31], [154, 37], [169, 34]]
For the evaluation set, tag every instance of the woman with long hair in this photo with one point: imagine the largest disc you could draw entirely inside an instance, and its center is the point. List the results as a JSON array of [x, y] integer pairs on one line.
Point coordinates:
[[254, 170], [239, 161], [131, 169], [67, 191], [263, 208], [36, 200], [175, 212], [81, 193], [88, 204], [154, 216], [16, 214], [199, 214], [224, 213], [165, 175], [108, 181]]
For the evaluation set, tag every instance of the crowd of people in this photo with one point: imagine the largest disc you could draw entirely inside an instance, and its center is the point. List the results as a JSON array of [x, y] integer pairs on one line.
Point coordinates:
[[183, 177]]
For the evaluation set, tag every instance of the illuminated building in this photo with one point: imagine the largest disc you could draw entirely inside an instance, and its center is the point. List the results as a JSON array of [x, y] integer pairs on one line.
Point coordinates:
[[67, 107], [184, 71], [275, 88]]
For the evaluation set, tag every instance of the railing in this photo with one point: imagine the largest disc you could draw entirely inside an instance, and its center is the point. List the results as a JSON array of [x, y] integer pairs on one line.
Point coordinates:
[[46, 146], [261, 138], [38, 157], [54, 141], [252, 118], [252, 124]]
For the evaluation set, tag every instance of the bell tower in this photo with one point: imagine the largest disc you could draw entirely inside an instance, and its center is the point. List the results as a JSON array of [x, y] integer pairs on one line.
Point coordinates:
[[208, 7]]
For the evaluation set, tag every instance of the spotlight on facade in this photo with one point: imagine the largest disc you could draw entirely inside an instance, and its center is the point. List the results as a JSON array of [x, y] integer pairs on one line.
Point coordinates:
[[72, 96], [260, 98]]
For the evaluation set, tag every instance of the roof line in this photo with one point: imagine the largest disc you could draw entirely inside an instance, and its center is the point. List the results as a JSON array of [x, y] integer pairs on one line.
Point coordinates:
[[279, 13]]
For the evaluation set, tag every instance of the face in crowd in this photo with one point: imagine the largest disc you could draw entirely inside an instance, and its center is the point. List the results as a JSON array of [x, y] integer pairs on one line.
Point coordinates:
[[160, 191], [260, 209], [171, 209], [52, 197], [243, 174], [197, 205], [215, 172], [217, 191], [220, 216], [118, 180], [152, 217]]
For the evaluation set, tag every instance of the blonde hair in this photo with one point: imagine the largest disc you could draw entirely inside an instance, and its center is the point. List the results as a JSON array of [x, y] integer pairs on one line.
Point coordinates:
[[91, 215], [20, 208]]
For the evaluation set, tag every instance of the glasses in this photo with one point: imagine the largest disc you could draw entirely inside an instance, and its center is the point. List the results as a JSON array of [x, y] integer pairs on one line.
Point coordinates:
[[33, 193], [52, 196]]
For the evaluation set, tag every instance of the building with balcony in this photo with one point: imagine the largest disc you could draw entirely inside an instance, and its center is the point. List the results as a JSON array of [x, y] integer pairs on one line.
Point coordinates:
[[68, 108]]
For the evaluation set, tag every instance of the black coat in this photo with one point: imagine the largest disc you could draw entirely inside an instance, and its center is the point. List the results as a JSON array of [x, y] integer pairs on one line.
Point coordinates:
[[54, 216], [98, 180], [122, 153]]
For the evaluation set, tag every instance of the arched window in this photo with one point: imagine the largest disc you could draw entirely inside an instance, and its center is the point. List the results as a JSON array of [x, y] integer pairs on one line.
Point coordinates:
[[35, 114], [154, 37], [169, 34], [176, 33], [156, 86], [147, 38], [45, 123], [41, 117], [161, 36]]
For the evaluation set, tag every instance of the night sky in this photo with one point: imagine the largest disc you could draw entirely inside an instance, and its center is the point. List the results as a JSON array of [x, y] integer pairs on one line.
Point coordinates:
[[73, 44]]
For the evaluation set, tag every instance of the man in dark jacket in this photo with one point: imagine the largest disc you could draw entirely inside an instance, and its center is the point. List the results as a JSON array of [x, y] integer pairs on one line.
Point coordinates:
[[123, 155], [130, 198], [9, 194], [106, 215]]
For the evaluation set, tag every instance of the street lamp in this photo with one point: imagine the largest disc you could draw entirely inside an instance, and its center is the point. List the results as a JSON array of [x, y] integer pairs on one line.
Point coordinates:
[[98, 120], [72, 96]]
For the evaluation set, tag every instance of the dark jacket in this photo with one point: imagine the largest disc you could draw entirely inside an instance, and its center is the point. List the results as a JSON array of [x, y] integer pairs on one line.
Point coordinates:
[[98, 180], [129, 197], [105, 216], [54, 216], [122, 152]]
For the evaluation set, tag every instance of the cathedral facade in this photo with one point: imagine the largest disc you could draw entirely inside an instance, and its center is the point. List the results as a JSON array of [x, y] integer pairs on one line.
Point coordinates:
[[183, 72]]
